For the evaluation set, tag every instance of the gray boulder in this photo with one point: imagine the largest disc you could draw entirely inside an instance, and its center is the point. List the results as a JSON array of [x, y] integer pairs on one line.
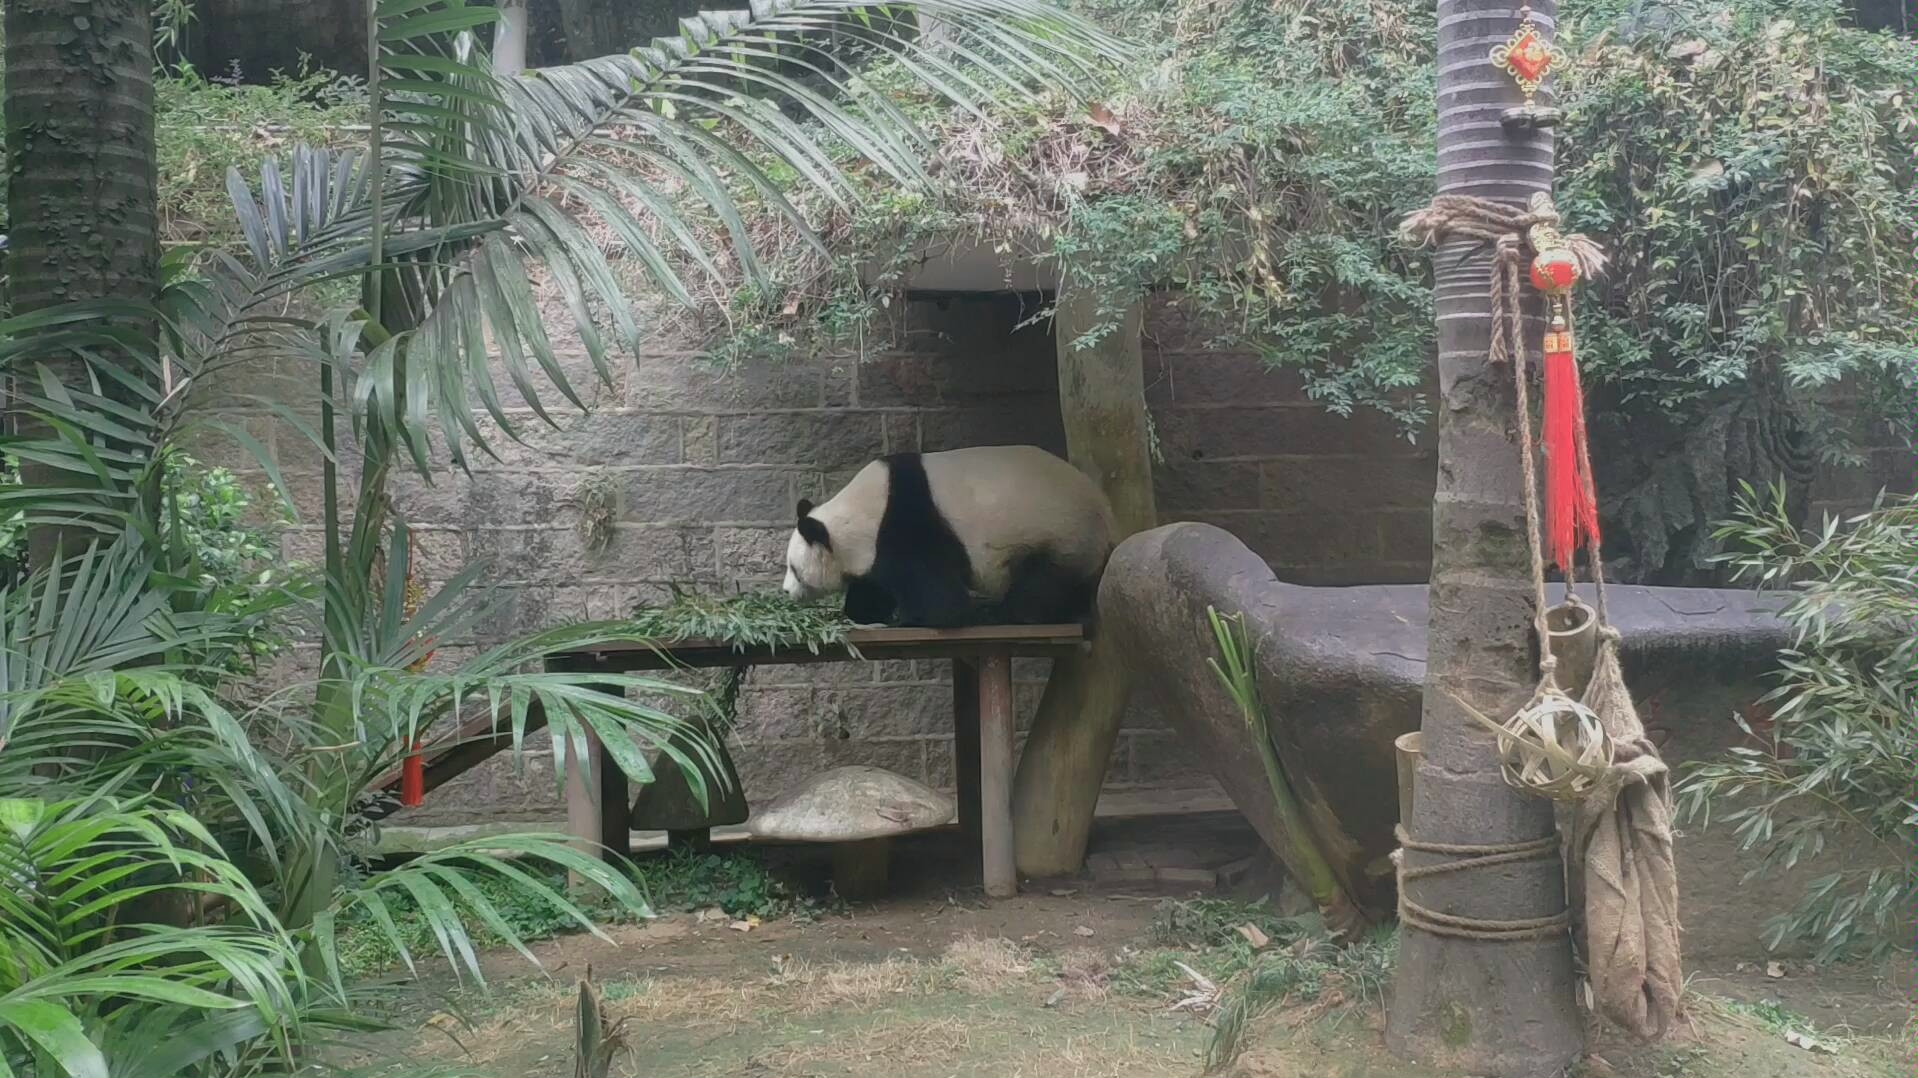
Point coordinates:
[[1341, 671]]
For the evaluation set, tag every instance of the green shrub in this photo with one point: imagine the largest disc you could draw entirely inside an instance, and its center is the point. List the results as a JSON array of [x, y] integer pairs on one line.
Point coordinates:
[[735, 882], [228, 539], [1746, 164], [206, 125], [1838, 759]]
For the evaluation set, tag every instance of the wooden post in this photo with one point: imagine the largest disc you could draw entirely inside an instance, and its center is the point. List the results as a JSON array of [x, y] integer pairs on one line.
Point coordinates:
[[509, 36], [965, 743], [1102, 401], [995, 775], [598, 803]]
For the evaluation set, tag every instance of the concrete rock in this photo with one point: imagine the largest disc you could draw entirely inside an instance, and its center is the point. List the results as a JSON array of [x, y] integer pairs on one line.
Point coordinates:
[[851, 804], [1342, 671]]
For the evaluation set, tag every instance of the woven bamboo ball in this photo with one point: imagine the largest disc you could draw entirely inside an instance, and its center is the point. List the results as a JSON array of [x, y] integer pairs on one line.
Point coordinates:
[[1557, 720]]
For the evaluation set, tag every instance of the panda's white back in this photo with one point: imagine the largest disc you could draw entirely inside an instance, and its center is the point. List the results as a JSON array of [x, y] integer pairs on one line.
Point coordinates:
[[1005, 500]]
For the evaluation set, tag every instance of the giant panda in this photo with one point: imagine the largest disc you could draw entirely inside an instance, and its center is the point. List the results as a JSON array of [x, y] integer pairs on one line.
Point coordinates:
[[985, 535]]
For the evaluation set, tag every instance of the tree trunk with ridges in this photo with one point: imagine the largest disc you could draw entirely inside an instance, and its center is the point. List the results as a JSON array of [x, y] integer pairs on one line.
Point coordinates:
[[82, 185], [1486, 1008]]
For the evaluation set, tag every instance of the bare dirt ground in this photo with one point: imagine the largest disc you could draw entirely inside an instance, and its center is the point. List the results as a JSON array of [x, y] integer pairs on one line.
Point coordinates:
[[1068, 980]]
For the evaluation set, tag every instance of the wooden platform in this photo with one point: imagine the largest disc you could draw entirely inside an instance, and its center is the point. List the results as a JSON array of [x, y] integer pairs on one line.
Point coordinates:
[[867, 644], [598, 809]]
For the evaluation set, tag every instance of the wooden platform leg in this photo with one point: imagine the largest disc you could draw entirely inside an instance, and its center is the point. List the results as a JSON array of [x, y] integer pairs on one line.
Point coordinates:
[[598, 805], [995, 775], [965, 743]]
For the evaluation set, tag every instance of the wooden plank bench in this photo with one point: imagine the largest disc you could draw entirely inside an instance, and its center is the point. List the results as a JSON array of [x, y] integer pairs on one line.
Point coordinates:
[[982, 708]]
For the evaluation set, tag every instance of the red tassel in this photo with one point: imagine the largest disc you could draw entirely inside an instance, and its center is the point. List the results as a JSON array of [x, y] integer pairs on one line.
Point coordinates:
[[413, 779], [1571, 503]]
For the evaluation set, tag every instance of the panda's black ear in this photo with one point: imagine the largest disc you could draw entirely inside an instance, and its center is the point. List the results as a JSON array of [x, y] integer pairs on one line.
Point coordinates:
[[812, 531], [805, 508]]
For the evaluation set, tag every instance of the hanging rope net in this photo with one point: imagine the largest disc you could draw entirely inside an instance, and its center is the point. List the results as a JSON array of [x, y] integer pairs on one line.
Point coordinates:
[[1578, 740]]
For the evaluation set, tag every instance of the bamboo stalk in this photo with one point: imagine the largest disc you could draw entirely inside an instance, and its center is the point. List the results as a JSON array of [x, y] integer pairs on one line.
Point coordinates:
[[1297, 847]]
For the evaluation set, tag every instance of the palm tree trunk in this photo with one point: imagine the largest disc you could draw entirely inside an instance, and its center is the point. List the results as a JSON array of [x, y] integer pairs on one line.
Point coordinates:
[[1490, 1008], [83, 190]]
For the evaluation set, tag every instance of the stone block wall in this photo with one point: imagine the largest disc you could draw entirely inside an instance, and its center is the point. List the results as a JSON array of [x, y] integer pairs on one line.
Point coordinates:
[[703, 467]]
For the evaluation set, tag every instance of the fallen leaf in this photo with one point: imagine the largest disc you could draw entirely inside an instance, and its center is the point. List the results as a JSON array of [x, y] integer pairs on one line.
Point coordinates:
[[1259, 940], [1082, 931], [1104, 118], [1598, 1067], [742, 926], [1205, 995], [1053, 1000], [712, 913], [1076, 180], [1809, 1043], [1064, 892], [1774, 970]]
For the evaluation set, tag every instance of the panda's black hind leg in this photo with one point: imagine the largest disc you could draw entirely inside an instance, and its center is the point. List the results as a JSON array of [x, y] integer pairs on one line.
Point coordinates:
[[1043, 592]]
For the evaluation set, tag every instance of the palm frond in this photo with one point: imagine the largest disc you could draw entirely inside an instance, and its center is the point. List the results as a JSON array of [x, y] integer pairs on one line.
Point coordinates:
[[76, 874], [490, 184], [442, 890]]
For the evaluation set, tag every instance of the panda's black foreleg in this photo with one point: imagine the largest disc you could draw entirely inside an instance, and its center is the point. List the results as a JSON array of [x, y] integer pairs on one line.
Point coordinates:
[[932, 600], [868, 602]]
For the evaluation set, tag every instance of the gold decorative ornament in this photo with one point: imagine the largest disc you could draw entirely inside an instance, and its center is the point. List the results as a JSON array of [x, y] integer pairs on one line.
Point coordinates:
[[1528, 57]]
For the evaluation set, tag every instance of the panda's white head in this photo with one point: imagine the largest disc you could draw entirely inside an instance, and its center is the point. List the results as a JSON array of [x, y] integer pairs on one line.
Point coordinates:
[[812, 568]]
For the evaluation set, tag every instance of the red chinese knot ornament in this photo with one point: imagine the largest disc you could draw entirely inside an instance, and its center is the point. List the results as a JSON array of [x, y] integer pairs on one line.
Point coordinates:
[[1528, 57]]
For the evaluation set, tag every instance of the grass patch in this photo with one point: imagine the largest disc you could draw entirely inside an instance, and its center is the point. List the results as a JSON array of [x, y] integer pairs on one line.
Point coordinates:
[[1205, 934], [1256, 959], [1211, 922], [1769, 1014], [973, 1010], [1315, 974]]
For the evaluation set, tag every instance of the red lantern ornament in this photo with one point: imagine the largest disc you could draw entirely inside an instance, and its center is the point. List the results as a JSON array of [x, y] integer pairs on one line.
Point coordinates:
[[1555, 271], [1571, 498]]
